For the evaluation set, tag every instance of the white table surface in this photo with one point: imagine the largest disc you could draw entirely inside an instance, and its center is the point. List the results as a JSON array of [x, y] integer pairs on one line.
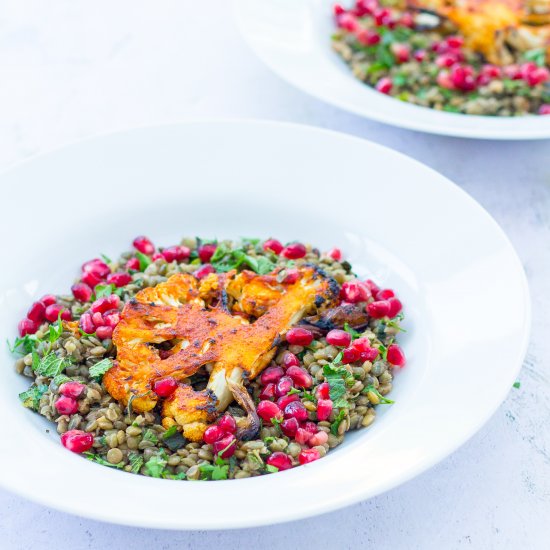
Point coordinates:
[[72, 68]]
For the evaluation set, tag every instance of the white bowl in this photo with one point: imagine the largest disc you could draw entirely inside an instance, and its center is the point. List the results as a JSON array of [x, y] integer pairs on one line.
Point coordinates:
[[464, 289], [292, 37]]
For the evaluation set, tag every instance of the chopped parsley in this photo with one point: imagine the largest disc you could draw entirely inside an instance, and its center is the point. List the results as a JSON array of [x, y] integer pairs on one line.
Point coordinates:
[[100, 460], [218, 470], [156, 464], [383, 400], [150, 435], [136, 462], [31, 397], [99, 369]]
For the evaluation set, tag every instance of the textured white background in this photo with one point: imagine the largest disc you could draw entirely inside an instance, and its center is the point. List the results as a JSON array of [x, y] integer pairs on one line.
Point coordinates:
[[71, 68]]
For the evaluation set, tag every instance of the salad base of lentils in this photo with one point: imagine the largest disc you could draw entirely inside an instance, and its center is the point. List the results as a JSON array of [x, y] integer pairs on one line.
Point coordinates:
[[324, 380], [419, 57]]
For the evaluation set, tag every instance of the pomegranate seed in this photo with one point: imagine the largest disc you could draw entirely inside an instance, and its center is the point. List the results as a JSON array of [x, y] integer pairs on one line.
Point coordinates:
[[225, 446], [338, 337], [105, 303], [335, 254], [402, 52], [48, 299], [367, 37], [324, 408], [310, 427], [420, 55], [320, 438], [308, 455], [280, 460], [175, 253], [111, 318], [91, 279], [77, 441], [367, 7], [27, 326], [369, 354], [144, 245], [379, 309], [119, 279], [395, 307], [66, 405], [274, 245], [271, 375], [36, 312], [338, 9], [165, 387], [354, 292], [97, 319], [396, 356], [300, 377], [407, 20], [212, 434], [285, 400], [97, 267], [347, 21], [294, 251], [157, 256], [72, 389], [291, 276], [268, 410], [444, 80], [445, 60], [52, 313], [302, 436], [204, 271], [372, 286], [385, 294], [86, 323], [284, 385], [227, 424], [82, 292], [463, 78], [361, 344], [206, 251], [289, 427], [537, 76], [290, 360], [132, 264], [323, 391], [544, 109], [299, 337], [455, 42], [268, 392], [104, 332], [384, 85], [383, 17], [350, 355], [513, 72], [492, 71], [296, 410]]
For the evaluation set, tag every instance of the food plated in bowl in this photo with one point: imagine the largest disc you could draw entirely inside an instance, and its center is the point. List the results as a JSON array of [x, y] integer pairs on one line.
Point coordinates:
[[140, 366], [487, 57]]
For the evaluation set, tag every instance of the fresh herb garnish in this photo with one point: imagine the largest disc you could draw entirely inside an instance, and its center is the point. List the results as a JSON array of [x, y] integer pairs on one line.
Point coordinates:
[[99, 369], [516, 385], [226, 259], [102, 291], [170, 432], [150, 435], [106, 259], [352, 331], [50, 365], [338, 378], [55, 330], [100, 460], [24, 345], [537, 55], [31, 397], [144, 260], [216, 471], [383, 400], [337, 421], [136, 462], [271, 469], [156, 464]]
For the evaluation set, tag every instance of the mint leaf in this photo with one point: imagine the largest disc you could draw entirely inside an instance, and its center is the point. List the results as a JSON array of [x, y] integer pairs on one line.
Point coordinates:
[[50, 365], [99, 369], [338, 378], [352, 331], [156, 464], [336, 424], [31, 397], [106, 259], [56, 330], [100, 460], [150, 435], [271, 469], [136, 461], [516, 385], [170, 432], [214, 472], [144, 260], [383, 400], [102, 291], [24, 345]]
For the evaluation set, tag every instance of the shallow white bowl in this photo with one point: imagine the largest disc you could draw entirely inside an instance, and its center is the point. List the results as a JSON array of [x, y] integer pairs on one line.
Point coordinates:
[[465, 294], [292, 37]]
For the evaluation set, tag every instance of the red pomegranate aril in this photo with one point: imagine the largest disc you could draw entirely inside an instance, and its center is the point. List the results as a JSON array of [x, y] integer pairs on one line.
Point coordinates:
[[310, 427], [291, 276], [335, 254], [385, 294], [302, 436], [384, 85], [66, 405], [271, 375], [299, 337], [86, 323], [72, 389], [97, 267], [290, 360], [285, 400], [337, 337], [157, 256], [361, 344], [132, 264], [347, 21], [462, 77], [273, 245], [420, 55], [97, 319], [27, 326], [382, 17], [111, 318], [378, 309], [406, 20], [212, 434], [454, 42], [444, 80], [91, 279], [144, 245], [308, 455], [350, 355], [368, 37], [300, 377], [82, 292], [36, 312], [324, 408], [176, 253], [104, 332], [320, 438], [402, 52], [338, 9], [53, 312], [294, 251], [372, 286], [323, 391], [395, 307], [204, 271], [537, 76], [165, 386], [369, 354], [119, 279], [105, 303], [284, 385], [268, 392], [396, 356], [289, 427], [544, 109], [268, 410], [296, 410], [48, 299], [279, 460], [77, 441], [226, 446], [227, 424], [355, 292], [206, 251]]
